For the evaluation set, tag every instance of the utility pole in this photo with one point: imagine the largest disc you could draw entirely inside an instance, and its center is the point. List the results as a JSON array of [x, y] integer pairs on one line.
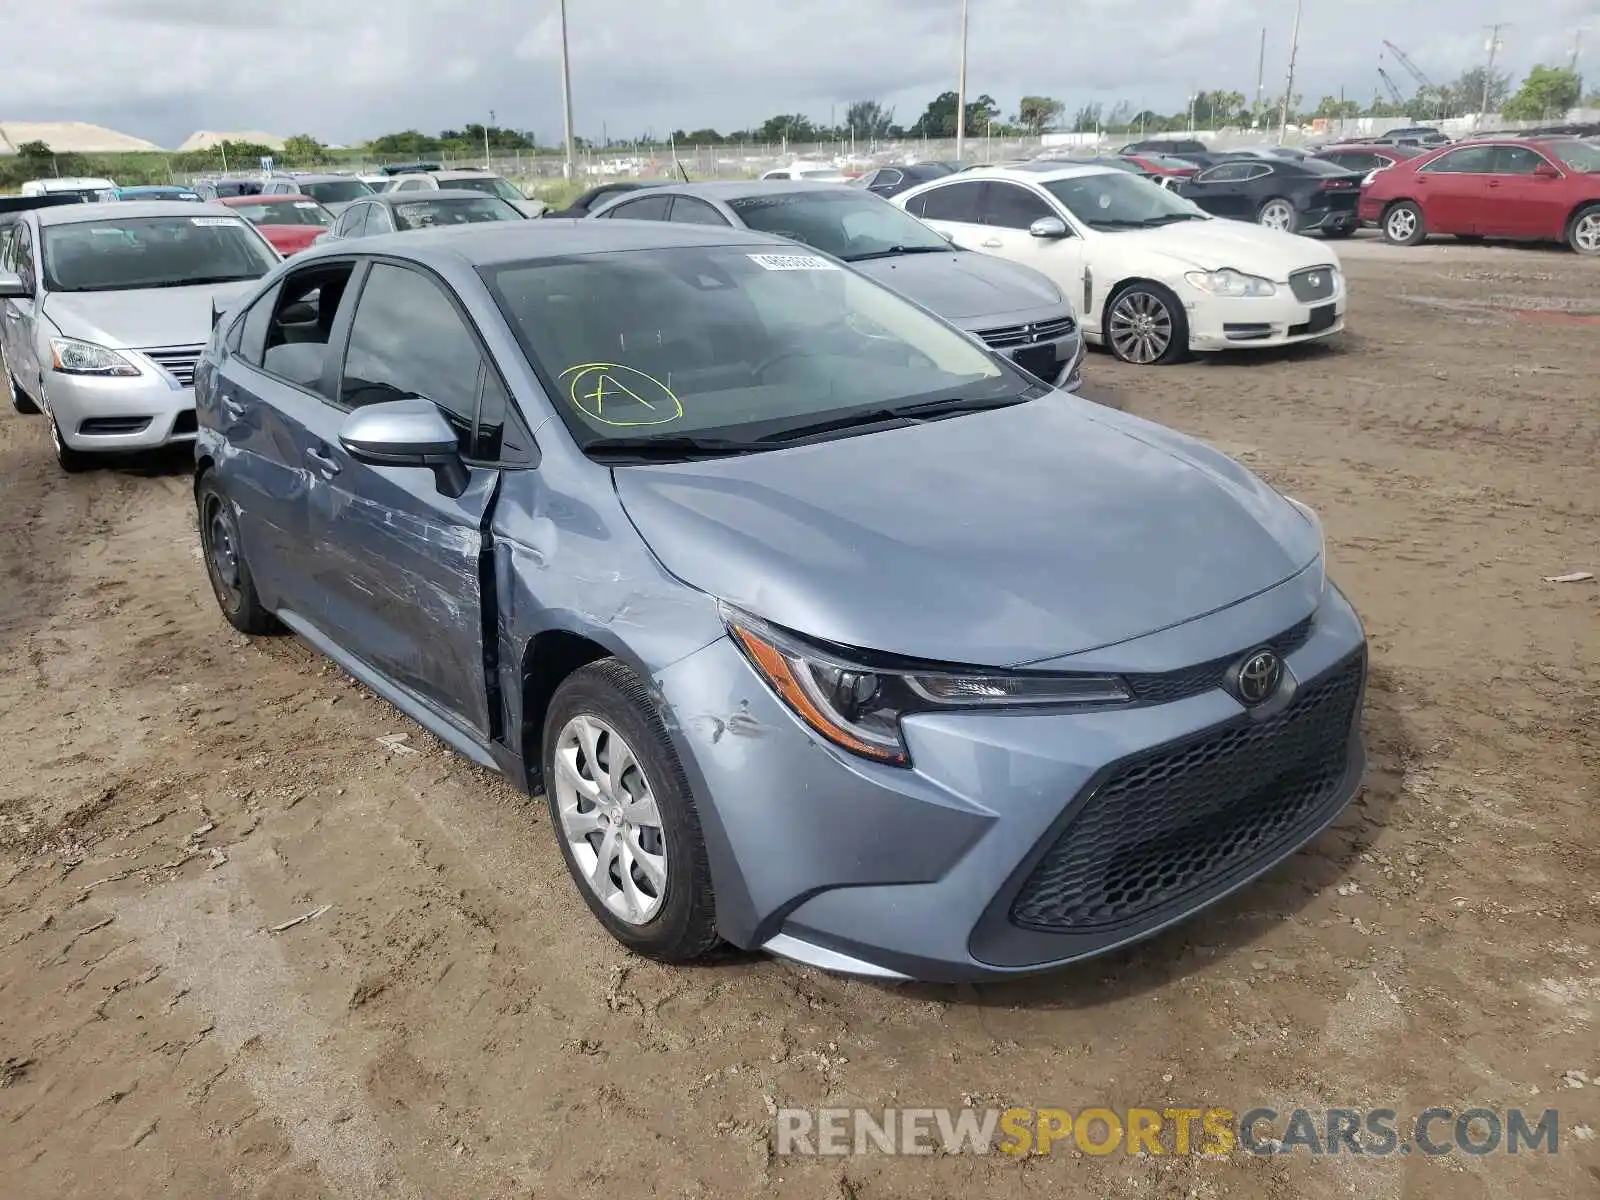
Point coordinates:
[[1488, 73], [1577, 51], [1288, 86], [566, 98], [486, 129], [961, 91], [1261, 79]]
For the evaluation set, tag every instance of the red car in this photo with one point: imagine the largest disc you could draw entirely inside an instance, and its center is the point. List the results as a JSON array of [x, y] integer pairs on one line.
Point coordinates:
[[1520, 189], [1161, 165], [1368, 156], [290, 223]]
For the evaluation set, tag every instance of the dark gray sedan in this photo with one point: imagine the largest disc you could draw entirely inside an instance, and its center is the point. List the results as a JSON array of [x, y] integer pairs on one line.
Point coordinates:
[[1010, 307]]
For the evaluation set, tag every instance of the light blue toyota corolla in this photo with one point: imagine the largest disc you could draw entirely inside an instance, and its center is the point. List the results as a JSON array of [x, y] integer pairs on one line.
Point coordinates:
[[823, 628]]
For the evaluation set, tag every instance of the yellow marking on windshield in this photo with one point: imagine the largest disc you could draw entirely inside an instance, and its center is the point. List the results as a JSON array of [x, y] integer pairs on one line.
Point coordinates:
[[632, 396]]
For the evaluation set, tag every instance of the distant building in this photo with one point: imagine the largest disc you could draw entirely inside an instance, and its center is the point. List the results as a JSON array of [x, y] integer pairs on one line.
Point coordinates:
[[69, 137], [206, 139]]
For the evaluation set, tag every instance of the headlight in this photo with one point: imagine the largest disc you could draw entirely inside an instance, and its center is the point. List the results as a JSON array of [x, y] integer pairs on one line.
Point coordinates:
[[72, 357], [1228, 282], [859, 706]]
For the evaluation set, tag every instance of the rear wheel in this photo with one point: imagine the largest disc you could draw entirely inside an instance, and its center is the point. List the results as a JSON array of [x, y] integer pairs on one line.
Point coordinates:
[[1145, 325], [225, 565], [1584, 233], [1402, 224], [1278, 214]]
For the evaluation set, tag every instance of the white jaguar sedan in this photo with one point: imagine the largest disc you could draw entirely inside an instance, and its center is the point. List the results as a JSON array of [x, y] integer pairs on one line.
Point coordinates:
[[1154, 278]]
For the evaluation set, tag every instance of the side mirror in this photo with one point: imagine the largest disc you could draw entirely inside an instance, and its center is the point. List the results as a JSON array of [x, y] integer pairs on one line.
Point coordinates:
[[12, 287], [1049, 227], [1545, 171], [407, 433]]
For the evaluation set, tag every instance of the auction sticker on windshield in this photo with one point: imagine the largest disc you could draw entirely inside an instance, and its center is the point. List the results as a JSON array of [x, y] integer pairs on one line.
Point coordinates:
[[215, 222], [792, 262], [305, 204]]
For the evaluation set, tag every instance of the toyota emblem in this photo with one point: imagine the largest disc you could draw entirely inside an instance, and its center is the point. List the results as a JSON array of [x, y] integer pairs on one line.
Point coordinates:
[[1259, 676]]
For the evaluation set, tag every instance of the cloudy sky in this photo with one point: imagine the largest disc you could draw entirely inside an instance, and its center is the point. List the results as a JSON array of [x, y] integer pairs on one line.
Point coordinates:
[[344, 71]]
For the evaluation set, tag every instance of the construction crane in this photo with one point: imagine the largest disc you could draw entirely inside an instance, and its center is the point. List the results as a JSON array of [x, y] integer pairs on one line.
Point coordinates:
[[1414, 71], [1394, 92]]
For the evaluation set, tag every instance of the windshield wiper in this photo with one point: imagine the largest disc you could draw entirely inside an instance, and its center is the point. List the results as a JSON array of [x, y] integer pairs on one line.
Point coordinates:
[[1170, 218], [894, 251], [1115, 223], [671, 446], [903, 413]]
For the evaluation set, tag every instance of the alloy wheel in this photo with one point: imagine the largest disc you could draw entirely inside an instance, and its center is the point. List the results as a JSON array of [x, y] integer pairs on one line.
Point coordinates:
[[1279, 215], [610, 820], [1401, 225], [1140, 327], [1586, 233]]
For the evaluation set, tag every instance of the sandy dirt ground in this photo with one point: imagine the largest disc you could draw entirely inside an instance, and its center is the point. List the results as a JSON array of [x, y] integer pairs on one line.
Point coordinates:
[[455, 1025]]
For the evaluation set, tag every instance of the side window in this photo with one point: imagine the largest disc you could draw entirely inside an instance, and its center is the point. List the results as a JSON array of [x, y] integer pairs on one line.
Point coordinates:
[[5, 247], [252, 330], [295, 346], [1010, 206], [352, 219], [1254, 171], [22, 256], [952, 202], [408, 339], [493, 404], [888, 177], [1221, 173], [686, 210], [378, 220], [1516, 160], [1469, 160], [646, 208]]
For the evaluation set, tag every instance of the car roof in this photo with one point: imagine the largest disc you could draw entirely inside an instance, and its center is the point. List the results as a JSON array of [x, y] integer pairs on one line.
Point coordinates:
[[280, 198], [723, 189], [490, 244], [1036, 172], [459, 173], [314, 176], [425, 197], [126, 210]]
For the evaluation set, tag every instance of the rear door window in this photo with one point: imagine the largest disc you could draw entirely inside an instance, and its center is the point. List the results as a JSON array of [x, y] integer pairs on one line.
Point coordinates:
[[958, 202]]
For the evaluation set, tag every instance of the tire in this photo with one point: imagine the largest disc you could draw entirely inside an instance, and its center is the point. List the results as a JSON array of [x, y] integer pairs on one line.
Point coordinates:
[[71, 461], [19, 398], [1402, 224], [1280, 214], [1132, 301], [605, 709], [226, 568], [1583, 233]]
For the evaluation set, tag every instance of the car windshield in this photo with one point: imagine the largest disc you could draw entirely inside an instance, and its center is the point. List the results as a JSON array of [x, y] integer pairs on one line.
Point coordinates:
[[425, 214], [152, 252], [336, 191], [1113, 202], [731, 342], [1580, 156], [845, 223], [284, 212], [489, 185]]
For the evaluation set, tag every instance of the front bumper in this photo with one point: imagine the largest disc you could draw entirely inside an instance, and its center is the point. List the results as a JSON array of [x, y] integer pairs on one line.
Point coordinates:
[[995, 854], [1230, 323], [112, 415]]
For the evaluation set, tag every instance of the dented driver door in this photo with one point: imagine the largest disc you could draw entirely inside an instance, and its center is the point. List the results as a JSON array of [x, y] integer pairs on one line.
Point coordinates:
[[398, 564]]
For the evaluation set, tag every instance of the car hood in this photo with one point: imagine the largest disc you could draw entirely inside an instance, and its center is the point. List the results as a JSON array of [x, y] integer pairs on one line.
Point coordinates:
[[962, 286], [993, 538], [179, 316], [1212, 244]]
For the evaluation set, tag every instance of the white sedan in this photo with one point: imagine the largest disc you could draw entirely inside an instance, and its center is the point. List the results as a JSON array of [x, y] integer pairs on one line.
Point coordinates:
[[1153, 277]]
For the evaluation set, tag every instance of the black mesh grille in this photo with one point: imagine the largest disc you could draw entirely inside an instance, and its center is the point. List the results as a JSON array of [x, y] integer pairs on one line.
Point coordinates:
[[1313, 284], [1168, 686], [1168, 823], [1039, 361]]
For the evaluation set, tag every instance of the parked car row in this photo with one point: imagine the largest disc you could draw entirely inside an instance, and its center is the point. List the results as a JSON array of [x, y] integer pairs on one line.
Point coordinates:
[[710, 528]]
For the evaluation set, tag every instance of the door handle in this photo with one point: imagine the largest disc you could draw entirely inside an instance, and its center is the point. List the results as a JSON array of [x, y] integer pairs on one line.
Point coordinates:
[[1494, 183], [992, 243], [324, 461]]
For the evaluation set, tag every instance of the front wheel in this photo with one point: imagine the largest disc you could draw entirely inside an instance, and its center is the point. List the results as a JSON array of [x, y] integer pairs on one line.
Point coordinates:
[[71, 461], [1278, 214], [1145, 325], [19, 398], [225, 565], [1584, 234], [1402, 224], [623, 812]]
